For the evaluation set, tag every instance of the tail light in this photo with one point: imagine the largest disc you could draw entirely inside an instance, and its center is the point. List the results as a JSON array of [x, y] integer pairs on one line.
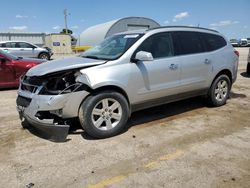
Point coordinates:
[[236, 53]]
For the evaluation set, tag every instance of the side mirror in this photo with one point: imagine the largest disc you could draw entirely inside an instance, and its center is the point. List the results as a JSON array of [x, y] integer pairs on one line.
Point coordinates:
[[143, 56]]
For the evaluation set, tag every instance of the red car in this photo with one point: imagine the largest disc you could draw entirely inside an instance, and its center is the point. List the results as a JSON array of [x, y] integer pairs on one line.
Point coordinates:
[[12, 67]]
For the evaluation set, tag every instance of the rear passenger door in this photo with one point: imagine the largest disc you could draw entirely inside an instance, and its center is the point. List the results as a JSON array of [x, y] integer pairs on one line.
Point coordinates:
[[13, 48], [195, 62]]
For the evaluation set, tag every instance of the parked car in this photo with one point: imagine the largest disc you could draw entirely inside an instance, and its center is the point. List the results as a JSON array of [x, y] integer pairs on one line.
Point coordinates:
[[234, 42], [25, 49], [12, 67], [248, 63], [127, 72], [243, 42]]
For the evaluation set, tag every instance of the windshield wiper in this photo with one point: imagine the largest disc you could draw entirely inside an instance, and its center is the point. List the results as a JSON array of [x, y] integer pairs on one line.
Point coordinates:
[[91, 57]]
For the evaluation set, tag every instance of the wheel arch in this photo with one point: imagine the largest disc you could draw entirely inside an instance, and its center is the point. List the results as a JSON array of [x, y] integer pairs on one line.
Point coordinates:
[[108, 88], [112, 88], [43, 52], [226, 72]]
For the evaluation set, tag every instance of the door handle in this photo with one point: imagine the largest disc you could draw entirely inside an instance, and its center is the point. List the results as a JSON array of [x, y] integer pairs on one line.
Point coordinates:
[[22, 49], [207, 61], [173, 66]]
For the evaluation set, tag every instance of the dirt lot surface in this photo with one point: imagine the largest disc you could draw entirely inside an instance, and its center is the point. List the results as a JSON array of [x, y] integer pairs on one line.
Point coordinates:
[[183, 144]]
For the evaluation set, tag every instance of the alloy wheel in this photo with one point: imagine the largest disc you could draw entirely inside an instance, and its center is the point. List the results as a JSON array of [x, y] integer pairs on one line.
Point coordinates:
[[106, 114], [221, 90]]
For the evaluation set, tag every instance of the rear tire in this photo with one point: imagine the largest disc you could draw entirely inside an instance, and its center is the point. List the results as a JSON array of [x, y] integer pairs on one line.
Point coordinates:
[[44, 55], [219, 91], [104, 114]]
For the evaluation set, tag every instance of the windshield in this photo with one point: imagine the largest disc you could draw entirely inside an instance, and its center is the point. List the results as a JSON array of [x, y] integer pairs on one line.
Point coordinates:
[[8, 55], [113, 47]]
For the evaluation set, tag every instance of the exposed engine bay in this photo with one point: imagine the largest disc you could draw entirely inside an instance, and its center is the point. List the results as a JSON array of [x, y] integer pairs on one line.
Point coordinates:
[[54, 84]]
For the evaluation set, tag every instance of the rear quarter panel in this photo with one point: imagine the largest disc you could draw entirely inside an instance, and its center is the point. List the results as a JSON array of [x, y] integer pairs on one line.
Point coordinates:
[[222, 59]]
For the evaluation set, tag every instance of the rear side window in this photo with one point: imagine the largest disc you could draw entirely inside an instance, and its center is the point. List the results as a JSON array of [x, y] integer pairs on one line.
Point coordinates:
[[186, 42], [8, 45], [159, 45], [213, 42], [2, 45], [12, 45]]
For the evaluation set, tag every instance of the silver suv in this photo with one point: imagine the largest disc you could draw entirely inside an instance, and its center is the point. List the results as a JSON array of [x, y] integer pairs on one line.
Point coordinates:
[[127, 72], [25, 49]]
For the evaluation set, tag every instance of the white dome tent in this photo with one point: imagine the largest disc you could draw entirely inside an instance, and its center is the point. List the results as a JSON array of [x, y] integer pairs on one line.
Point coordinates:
[[95, 34]]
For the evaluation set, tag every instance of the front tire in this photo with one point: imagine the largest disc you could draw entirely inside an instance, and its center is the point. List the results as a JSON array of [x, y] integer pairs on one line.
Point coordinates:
[[219, 91], [104, 114], [44, 55]]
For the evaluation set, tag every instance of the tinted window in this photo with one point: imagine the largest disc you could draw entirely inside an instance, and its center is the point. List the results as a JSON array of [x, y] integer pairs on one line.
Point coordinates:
[[160, 45], [213, 42], [3, 45], [10, 45], [186, 42]]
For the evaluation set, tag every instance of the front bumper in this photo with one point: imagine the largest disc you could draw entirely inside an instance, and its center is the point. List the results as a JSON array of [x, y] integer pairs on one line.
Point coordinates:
[[63, 107], [51, 131]]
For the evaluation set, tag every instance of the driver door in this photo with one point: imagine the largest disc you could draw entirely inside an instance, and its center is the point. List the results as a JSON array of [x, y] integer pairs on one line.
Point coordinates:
[[27, 50], [160, 77]]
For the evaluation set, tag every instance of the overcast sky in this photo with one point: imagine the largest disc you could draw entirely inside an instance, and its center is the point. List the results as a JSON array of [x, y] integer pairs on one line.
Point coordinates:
[[230, 17]]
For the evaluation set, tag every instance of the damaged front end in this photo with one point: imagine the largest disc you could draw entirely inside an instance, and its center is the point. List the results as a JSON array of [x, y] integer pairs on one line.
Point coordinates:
[[48, 102]]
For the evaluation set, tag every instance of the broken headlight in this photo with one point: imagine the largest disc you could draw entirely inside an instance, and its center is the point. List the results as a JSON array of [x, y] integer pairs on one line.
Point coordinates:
[[61, 84]]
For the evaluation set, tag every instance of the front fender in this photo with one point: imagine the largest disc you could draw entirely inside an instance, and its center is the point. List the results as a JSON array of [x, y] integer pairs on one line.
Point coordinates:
[[97, 83]]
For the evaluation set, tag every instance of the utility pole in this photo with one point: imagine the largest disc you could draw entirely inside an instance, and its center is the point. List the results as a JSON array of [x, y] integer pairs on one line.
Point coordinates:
[[65, 20]]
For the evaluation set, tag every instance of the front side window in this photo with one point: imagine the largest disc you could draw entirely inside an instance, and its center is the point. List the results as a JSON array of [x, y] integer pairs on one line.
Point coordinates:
[[25, 45], [112, 47], [159, 45]]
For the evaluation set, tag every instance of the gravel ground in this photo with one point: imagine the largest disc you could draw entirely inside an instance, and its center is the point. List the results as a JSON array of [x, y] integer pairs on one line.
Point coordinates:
[[182, 144]]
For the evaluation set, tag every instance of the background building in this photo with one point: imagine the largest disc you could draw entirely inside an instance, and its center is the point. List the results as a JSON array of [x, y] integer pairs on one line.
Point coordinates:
[[59, 43], [34, 38], [95, 34]]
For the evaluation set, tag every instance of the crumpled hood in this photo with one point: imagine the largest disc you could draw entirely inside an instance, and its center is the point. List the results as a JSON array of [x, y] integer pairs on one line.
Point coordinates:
[[62, 64]]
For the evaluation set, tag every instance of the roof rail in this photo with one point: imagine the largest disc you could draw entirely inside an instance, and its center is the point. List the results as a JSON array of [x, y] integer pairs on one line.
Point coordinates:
[[176, 26]]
